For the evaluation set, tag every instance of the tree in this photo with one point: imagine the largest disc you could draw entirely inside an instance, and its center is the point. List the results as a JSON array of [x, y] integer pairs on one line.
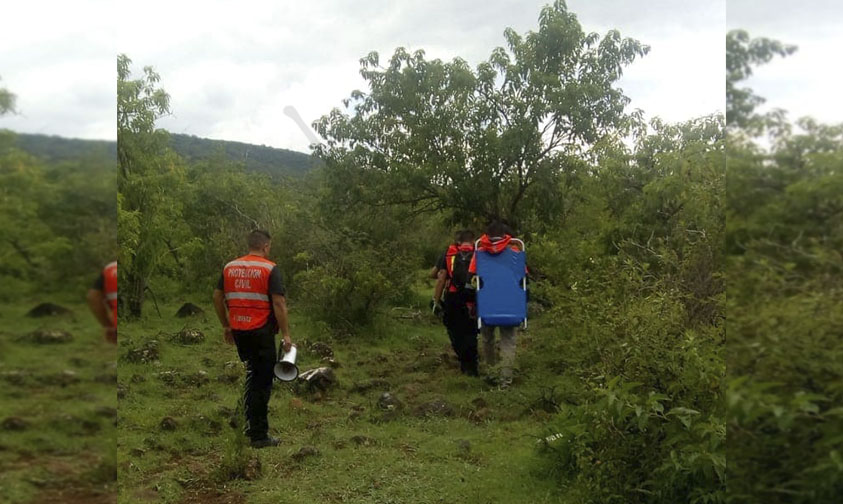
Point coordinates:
[[742, 54], [7, 101], [478, 143], [150, 179]]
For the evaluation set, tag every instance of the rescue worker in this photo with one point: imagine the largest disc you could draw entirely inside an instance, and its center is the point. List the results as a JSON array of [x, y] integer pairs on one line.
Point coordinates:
[[251, 305], [459, 302], [496, 239], [434, 272], [102, 300]]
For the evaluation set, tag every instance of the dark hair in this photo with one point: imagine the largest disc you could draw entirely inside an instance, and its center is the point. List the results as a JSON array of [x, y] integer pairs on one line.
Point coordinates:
[[465, 235], [499, 228], [496, 228], [258, 239]]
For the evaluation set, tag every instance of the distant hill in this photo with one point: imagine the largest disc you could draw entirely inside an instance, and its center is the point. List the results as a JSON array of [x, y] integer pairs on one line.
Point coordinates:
[[55, 148], [260, 158]]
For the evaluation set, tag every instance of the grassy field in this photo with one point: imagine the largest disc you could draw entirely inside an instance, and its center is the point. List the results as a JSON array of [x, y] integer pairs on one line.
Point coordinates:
[[453, 439], [57, 408]]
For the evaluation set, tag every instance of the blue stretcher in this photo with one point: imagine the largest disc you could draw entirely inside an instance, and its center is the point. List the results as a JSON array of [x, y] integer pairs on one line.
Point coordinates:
[[502, 287]]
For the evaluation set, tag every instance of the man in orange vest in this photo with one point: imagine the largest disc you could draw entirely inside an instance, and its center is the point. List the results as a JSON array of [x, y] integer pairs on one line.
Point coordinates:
[[102, 300], [458, 305], [252, 293]]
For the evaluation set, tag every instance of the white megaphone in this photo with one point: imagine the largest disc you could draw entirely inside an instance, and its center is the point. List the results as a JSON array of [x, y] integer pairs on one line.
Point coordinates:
[[285, 369]]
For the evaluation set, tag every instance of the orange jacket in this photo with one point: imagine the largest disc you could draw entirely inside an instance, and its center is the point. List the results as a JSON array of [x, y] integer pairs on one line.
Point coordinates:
[[493, 247], [246, 281], [109, 274]]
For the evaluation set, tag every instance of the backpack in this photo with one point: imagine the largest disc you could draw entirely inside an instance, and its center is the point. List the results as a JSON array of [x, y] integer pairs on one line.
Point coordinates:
[[458, 270]]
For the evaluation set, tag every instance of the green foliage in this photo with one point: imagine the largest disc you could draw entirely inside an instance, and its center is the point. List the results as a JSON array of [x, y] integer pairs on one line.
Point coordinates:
[[436, 136], [56, 220], [634, 277], [785, 359]]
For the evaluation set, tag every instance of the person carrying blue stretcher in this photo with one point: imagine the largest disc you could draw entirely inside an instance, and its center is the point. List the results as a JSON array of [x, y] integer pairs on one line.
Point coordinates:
[[500, 270]]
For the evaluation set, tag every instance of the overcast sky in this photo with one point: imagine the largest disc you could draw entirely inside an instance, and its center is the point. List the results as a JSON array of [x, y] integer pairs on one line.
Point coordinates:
[[806, 83], [232, 69]]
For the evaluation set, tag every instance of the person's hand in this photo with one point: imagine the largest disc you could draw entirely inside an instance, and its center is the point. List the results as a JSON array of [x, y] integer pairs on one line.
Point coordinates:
[[227, 335], [436, 308], [288, 343], [110, 334]]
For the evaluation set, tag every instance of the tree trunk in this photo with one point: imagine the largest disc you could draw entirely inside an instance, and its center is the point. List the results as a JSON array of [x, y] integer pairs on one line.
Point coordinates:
[[135, 293]]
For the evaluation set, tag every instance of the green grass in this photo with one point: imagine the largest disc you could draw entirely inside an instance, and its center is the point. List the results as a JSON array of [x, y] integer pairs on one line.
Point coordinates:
[[409, 458], [70, 433]]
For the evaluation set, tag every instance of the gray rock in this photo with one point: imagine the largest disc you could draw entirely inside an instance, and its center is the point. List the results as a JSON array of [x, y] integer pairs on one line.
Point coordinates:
[[189, 337], [50, 337], [320, 378], [148, 352], [388, 402]]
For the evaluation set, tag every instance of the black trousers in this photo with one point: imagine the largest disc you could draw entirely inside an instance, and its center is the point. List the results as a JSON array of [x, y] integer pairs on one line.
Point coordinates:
[[462, 330], [256, 349]]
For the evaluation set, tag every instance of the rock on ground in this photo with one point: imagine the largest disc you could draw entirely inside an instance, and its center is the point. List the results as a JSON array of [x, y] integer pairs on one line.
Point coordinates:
[[389, 402], [47, 310], [49, 337], [147, 353], [436, 407], [189, 337], [14, 424], [189, 310], [320, 378], [169, 424]]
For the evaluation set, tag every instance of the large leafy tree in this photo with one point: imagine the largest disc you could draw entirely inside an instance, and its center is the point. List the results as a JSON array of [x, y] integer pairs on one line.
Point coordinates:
[[478, 143], [150, 179]]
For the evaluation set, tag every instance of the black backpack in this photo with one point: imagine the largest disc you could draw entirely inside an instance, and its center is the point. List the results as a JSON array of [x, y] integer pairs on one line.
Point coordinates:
[[460, 276]]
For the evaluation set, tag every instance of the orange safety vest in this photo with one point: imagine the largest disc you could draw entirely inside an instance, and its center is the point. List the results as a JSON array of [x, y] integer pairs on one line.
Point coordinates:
[[246, 283], [109, 274]]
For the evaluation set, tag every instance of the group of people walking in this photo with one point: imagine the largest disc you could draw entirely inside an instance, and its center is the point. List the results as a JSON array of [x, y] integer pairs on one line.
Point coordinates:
[[455, 299]]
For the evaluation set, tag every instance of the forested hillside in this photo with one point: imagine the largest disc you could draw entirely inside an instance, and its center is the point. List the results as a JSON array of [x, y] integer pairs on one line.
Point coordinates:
[[256, 158]]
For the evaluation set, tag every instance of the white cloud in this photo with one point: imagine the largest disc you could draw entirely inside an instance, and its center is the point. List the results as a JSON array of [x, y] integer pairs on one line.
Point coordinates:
[[805, 83], [58, 58]]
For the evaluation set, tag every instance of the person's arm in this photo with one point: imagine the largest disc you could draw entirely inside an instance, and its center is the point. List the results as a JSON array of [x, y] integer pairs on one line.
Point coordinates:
[[279, 307], [440, 285], [99, 307], [96, 302], [222, 315], [434, 272]]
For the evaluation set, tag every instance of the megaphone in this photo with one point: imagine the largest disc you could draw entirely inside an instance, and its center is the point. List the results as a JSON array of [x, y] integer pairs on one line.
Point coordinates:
[[285, 369]]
